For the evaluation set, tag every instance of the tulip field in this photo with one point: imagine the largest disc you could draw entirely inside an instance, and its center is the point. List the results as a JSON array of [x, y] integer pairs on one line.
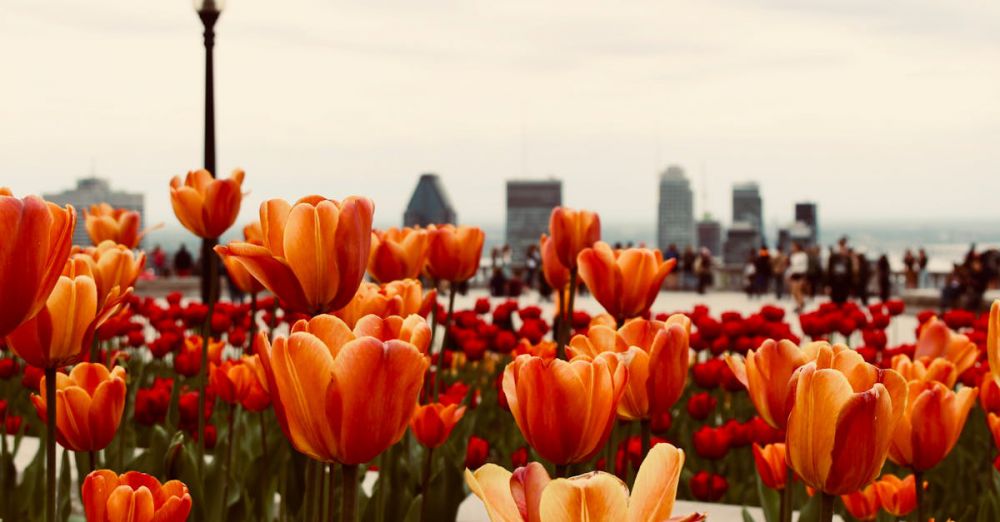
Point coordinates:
[[353, 363]]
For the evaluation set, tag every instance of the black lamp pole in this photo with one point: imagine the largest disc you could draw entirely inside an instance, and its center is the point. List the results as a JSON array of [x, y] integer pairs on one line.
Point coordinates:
[[209, 14]]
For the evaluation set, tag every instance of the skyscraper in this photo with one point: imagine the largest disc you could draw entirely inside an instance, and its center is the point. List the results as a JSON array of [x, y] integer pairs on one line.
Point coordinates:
[[675, 224], [429, 204], [91, 191], [748, 207], [805, 212], [529, 205], [710, 235]]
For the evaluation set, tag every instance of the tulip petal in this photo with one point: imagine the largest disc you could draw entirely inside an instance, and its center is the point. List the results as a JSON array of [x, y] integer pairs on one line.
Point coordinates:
[[491, 484], [656, 484], [595, 496]]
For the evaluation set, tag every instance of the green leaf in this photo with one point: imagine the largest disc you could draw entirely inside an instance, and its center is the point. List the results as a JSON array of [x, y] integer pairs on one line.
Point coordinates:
[[770, 500], [64, 487], [810, 511], [747, 517]]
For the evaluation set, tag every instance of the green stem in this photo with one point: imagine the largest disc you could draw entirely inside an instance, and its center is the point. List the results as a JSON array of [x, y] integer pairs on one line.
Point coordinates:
[[434, 321], [324, 493], [786, 498], [561, 470], [95, 348], [447, 338], [566, 324], [918, 479], [50, 445], [332, 494], [3, 466], [609, 449], [383, 482], [425, 484], [227, 473], [350, 493], [826, 509], [206, 333]]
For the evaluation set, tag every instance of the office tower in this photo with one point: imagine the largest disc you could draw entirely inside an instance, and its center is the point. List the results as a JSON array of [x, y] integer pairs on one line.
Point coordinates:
[[675, 224], [91, 191], [710, 236], [741, 239], [747, 206], [806, 214], [529, 205], [429, 204]]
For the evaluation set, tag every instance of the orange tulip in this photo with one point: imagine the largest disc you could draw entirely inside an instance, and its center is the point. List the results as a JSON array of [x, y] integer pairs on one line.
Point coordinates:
[[842, 420], [993, 339], [625, 282], [89, 405], [656, 355], [529, 495], [940, 370], [114, 268], [897, 496], [767, 372], [543, 348], [206, 206], [59, 333], [118, 225], [863, 504], [237, 382], [936, 340], [771, 465], [931, 423], [572, 232], [432, 423], [556, 274], [453, 252], [993, 421], [340, 397], [242, 278], [397, 254], [403, 298], [133, 497], [36, 242], [989, 394], [564, 409], [314, 252], [413, 330]]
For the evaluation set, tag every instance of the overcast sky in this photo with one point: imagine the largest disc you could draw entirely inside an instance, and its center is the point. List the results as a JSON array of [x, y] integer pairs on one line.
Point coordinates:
[[876, 110]]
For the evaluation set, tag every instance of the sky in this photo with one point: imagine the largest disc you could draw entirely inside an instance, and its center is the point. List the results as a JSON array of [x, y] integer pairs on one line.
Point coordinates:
[[879, 111]]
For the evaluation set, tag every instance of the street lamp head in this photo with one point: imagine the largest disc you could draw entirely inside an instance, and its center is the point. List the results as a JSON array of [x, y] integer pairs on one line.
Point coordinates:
[[209, 6]]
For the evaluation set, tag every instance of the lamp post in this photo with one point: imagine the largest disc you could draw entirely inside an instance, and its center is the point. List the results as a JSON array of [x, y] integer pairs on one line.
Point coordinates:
[[209, 11]]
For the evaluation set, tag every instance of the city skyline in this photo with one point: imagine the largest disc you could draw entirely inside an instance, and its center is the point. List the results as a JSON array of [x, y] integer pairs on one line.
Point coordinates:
[[866, 117]]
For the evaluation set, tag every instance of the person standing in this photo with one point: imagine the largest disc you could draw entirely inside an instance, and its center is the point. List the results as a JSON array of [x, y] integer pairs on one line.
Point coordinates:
[[779, 265], [798, 267], [183, 262], [762, 271], [814, 275], [884, 278], [839, 272], [749, 273], [703, 267], [910, 268], [922, 281], [864, 277], [688, 259]]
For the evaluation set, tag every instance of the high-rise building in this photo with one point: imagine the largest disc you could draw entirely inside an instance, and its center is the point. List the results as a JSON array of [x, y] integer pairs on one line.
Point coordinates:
[[741, 239], [429, 204], [529, 205], [748, 207], [92, 191], [675, 225], [710, 235], [805, 212]]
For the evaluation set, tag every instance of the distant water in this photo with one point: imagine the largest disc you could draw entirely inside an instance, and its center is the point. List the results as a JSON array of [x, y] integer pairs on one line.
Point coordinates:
[[945, 242]]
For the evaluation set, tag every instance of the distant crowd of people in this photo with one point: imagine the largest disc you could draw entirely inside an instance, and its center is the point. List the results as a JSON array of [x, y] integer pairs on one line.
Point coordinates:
[[798, 271]]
